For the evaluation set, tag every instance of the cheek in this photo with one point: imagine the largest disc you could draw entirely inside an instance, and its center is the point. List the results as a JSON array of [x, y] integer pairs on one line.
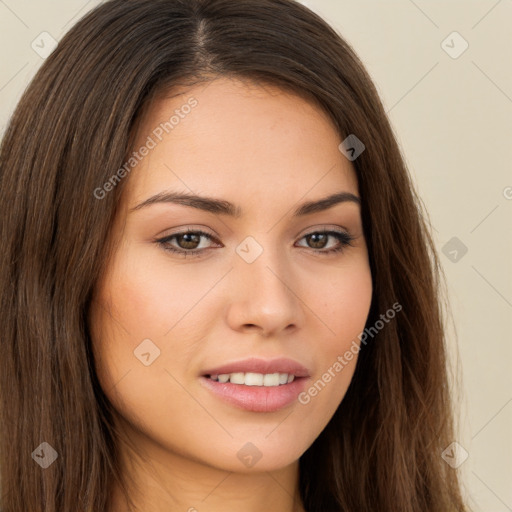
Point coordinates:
[[150, 297], [135, 308], [344, 310], [345, 304], [141, 299]]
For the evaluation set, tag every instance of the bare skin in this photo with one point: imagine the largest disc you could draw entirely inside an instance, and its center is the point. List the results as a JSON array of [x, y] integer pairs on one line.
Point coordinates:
[[267, 152]]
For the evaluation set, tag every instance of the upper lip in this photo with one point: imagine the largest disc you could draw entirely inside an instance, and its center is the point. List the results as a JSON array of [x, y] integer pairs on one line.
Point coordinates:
[[254, 365]]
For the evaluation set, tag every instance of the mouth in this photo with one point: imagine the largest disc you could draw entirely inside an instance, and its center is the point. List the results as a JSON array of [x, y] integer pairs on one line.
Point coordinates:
[[257, 385]]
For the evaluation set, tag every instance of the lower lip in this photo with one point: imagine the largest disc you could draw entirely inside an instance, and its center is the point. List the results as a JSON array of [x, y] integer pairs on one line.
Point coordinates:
[[257, 398]]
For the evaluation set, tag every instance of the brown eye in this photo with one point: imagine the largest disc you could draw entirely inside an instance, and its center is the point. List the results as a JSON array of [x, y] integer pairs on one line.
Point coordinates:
[[185, 243], [189, 240], [319, 240]]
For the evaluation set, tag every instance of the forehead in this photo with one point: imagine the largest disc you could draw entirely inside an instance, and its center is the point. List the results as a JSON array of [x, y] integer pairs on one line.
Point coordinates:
[[236, 137]]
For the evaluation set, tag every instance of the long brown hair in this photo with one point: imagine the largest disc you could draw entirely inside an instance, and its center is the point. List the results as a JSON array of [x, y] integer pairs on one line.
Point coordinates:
[[71, 132]]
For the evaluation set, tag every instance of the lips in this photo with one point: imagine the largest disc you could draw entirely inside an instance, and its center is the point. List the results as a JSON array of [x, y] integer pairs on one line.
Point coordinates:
[[264, 366], [251, 396]]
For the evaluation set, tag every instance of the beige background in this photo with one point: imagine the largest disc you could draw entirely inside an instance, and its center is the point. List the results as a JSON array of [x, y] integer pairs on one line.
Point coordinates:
[[453, 119]]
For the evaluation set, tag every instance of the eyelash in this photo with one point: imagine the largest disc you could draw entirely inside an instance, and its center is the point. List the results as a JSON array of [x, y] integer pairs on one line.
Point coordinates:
[[344, 238]]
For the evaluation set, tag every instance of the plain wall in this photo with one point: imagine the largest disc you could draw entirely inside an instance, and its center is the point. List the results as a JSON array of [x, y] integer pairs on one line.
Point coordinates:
[[452, 115]]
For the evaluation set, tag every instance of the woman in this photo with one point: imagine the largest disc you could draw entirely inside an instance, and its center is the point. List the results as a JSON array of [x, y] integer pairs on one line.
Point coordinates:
[[218, 289]]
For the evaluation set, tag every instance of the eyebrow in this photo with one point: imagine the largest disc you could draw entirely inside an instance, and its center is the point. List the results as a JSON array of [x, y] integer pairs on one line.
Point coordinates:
[[222, 207]]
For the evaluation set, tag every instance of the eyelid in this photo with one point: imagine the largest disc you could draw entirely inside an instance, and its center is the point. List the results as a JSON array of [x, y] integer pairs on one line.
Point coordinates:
[[189, 228], [324, 227]]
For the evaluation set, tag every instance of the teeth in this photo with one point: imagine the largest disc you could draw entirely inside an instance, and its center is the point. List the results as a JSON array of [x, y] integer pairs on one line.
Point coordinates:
[[254, 379], [237, 378], [270, 379]]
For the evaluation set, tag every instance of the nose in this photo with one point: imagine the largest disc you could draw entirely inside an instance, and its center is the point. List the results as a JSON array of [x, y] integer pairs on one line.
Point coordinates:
[[266, 296]]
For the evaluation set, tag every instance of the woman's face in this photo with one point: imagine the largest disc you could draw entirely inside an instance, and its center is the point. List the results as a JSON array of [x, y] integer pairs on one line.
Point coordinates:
[[263, 292]]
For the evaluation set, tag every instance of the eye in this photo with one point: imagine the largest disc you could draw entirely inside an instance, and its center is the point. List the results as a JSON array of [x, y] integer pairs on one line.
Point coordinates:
[[318, 241], [189, 242]]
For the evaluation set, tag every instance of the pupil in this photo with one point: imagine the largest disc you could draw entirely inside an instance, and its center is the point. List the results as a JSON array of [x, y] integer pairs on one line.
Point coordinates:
[[187, 240], [321, 242]]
